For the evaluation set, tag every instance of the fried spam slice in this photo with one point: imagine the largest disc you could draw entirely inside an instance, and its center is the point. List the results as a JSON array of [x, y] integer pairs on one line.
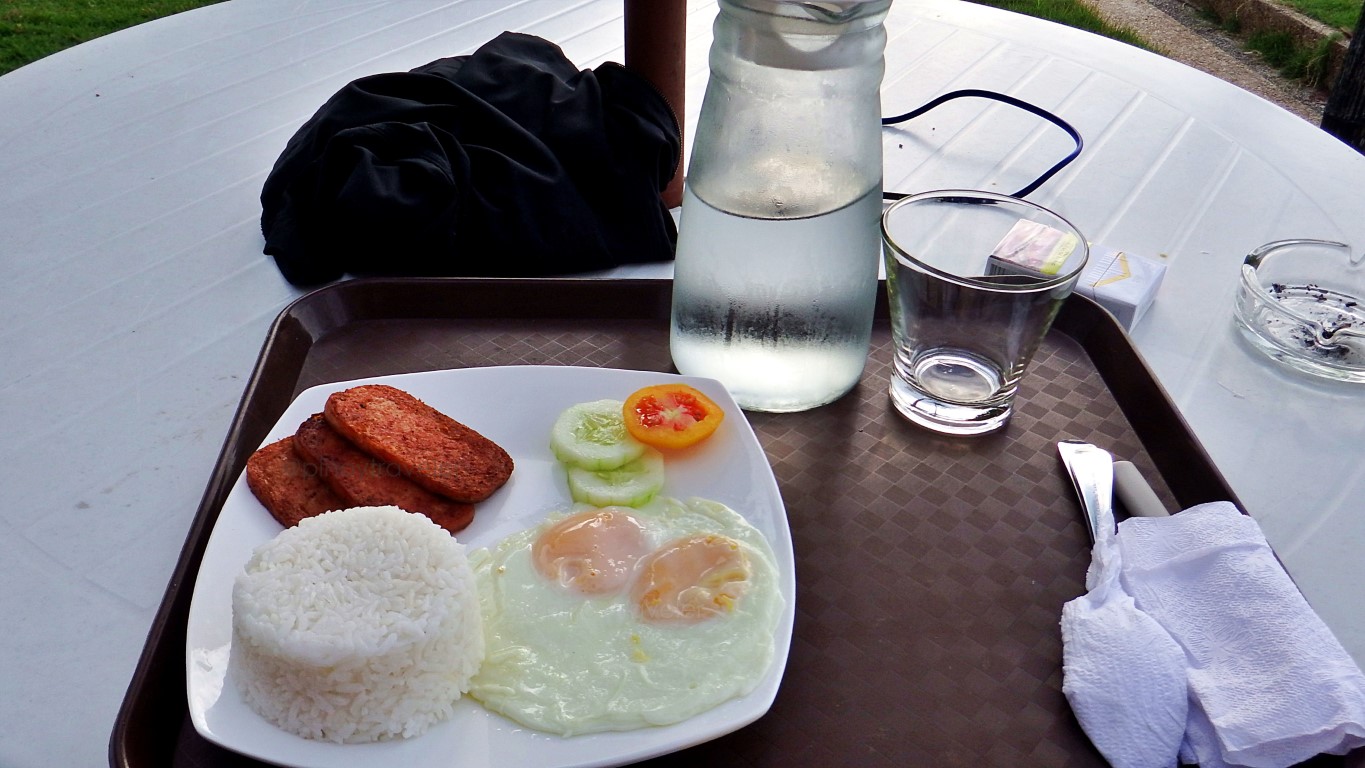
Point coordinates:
[[288, 488], [365, 481], [430, 448]]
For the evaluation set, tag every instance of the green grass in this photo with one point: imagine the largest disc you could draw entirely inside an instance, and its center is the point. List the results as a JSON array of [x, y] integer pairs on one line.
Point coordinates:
[[32, 29], [1341, 14], [1305, 64], [1279, 49]]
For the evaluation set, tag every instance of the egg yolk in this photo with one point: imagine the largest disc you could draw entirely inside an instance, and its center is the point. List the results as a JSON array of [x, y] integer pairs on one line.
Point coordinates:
[[691, 580], [592, 552]]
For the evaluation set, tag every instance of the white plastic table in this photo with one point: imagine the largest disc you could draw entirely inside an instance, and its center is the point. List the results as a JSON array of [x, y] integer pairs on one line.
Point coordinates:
[[135, 295]]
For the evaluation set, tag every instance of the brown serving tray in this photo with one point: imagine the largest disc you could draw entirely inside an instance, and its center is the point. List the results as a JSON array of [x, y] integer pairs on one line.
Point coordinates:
[[931, 571]]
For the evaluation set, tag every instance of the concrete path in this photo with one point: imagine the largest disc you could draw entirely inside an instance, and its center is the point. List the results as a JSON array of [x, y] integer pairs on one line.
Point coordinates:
[[1177, 30]]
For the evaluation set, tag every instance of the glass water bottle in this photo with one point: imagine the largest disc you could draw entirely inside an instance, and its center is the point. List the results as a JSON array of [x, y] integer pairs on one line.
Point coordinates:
[[776, 270]]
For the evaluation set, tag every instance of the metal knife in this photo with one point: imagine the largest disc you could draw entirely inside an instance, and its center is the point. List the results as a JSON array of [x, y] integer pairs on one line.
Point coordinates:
[[1092, 474], [1098, 480]]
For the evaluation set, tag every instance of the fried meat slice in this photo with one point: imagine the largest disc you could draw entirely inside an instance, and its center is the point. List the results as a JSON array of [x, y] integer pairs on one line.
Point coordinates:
[[430, 448], [365, 481], [288, 488]]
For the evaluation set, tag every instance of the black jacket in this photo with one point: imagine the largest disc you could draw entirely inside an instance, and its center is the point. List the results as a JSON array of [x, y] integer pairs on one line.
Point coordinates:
[[507, 162]]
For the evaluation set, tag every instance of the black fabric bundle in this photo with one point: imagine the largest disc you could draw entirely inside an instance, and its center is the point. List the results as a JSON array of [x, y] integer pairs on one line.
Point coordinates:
[[507, 162]]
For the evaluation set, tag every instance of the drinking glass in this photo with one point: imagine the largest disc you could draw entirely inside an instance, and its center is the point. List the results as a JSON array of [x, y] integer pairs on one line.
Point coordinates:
[[974, 281]]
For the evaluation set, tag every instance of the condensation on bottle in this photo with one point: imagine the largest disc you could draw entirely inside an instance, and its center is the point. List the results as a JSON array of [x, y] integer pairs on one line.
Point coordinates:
[[775, 276]]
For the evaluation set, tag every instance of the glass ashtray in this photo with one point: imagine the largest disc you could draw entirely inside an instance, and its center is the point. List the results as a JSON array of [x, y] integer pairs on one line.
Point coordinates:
[[1300, 302]]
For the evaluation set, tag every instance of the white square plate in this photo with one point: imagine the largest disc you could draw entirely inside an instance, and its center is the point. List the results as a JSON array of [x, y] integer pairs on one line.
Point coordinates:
[[515, 407]]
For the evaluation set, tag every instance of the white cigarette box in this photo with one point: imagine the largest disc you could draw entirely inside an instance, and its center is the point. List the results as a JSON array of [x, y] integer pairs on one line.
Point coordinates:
[[1123, 283]]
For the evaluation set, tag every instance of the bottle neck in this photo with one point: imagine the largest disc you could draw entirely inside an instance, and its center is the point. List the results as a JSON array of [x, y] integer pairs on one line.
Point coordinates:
[[833, 16], [800, 37]]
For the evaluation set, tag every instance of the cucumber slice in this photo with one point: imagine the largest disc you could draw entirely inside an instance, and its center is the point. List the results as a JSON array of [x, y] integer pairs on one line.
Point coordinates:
[[593, 436], [630, 485]]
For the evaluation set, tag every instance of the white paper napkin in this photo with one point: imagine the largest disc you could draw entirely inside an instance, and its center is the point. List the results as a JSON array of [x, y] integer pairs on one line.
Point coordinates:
[[1122, 673], [1266, 681]]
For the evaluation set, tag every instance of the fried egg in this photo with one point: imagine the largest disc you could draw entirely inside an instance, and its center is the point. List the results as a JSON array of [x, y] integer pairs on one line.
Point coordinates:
[[616, 618]]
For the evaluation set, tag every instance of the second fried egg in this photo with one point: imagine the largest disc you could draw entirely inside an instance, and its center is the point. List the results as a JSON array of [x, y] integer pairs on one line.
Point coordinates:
[[615, 619]]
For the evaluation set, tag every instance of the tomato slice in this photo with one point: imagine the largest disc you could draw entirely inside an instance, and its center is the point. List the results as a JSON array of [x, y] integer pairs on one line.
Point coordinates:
[[671, 416]]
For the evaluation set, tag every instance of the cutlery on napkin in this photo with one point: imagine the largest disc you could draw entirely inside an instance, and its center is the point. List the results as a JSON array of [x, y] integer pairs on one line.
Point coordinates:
[[1123, 674], [1193, 643]]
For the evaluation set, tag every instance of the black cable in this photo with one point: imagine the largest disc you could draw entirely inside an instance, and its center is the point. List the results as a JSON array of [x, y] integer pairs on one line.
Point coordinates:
[[1012, 101]]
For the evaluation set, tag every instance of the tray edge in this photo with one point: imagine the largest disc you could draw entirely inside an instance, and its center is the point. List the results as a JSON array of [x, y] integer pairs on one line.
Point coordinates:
[[311, 316]]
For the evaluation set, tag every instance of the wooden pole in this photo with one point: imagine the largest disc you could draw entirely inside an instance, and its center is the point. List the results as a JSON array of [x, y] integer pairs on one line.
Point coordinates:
[[656, 47], [1344, 115]]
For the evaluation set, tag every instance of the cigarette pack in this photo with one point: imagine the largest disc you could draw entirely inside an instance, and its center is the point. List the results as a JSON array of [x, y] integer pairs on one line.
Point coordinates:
[[1031, 248], [1123, 283]]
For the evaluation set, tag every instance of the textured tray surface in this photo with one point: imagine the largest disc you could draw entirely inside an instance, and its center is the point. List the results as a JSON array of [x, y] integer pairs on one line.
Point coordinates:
[[931, 571]]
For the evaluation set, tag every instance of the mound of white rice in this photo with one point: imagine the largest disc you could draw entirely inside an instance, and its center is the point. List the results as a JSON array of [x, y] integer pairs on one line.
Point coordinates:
[[357, 625]]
